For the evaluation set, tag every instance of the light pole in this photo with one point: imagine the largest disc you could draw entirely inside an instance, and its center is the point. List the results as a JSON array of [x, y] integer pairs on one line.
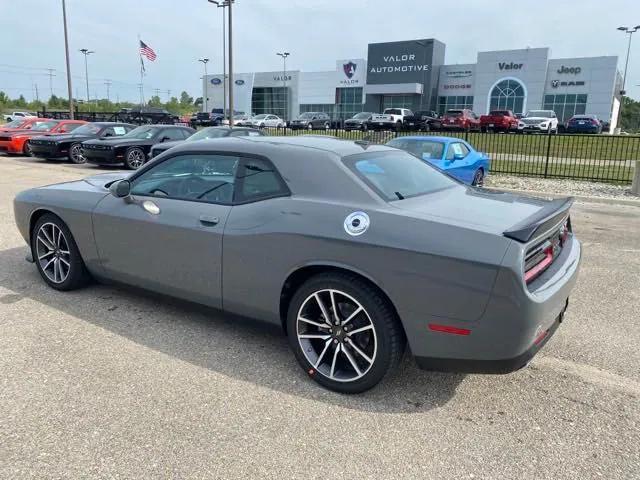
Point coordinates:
[[204, 63], [630, 32], [66, 53], [284, 56], [86, 53], [224, 4]]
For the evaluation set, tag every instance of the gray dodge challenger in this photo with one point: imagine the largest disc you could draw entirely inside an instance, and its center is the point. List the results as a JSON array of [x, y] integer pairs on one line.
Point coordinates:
[[354, 249]]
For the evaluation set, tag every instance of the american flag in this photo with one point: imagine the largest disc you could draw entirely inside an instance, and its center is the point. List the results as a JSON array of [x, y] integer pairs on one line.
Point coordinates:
[[147, 51]]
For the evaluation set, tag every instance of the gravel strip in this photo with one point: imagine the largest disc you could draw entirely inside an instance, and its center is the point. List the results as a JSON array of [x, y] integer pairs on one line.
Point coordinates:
[[561, 186]]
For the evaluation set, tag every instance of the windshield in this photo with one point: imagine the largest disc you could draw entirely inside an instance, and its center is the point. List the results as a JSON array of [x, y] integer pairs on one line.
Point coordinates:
[[454, 113], [397, 175], [15, 123], [141, 133], [44, 126], [424, 149], [362, 116], [87, 129], [211, 132], [259, 117], [540, 114], [307, 115]]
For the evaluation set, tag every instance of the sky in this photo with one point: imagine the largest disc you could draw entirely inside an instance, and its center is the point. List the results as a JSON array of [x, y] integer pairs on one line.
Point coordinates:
[[315, 32]]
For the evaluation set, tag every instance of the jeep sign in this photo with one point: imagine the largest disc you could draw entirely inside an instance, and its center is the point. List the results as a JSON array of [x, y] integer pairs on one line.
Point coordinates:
[[569, 70]]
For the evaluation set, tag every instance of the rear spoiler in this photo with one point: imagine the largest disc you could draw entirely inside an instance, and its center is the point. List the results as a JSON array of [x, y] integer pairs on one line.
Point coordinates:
[[541, 221]]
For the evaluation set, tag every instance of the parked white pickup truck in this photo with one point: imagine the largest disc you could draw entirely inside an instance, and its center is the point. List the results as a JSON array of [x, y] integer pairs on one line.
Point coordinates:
[[16, 115], [391, 118]]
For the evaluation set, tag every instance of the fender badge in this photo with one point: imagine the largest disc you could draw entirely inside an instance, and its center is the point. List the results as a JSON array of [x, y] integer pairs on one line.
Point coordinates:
[[356, 223]]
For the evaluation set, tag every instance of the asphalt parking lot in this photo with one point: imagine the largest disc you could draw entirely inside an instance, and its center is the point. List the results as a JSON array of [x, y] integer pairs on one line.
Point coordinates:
[[110, 382]]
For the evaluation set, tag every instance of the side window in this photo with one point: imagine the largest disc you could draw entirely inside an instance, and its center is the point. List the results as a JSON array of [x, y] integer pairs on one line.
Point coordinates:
[[238, 133], [171, 134], [69, 127], [197, 177], [456, 149], [258, 179], [253, 133]]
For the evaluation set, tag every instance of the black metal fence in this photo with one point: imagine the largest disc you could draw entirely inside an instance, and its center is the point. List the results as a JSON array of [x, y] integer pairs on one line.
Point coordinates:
[[602, 158]]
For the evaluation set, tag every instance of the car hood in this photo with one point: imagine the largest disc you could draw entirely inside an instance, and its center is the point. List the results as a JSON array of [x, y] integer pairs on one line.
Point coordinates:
[[355, 120], [120, 142], [486, 210], [536, 119], [65, 137], [103, 179]]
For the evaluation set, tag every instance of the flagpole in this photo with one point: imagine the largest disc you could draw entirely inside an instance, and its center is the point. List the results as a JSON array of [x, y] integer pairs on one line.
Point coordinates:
[[141, 73]]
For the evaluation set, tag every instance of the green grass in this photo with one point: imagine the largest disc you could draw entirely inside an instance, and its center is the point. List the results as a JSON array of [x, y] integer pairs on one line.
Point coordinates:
[[581, 171]]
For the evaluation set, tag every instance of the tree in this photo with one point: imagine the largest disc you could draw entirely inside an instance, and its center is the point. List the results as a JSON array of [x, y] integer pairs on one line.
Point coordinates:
[[20, 102], [186, 100], [155, 101], [173, 105], [630, 118]]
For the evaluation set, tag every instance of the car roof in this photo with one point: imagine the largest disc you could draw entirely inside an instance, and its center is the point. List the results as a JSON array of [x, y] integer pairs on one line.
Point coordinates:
[[430, 138], [110, 124], [337, 146]]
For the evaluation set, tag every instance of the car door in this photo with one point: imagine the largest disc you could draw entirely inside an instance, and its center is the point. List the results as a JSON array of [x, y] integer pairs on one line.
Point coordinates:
[[457, 162], [166, 235]]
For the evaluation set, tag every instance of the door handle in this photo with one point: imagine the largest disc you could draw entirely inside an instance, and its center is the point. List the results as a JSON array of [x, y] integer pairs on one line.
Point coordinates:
[[208, 221]]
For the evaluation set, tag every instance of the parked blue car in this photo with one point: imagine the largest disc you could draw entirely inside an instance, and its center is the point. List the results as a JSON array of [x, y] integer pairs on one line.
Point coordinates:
[[451, 155]]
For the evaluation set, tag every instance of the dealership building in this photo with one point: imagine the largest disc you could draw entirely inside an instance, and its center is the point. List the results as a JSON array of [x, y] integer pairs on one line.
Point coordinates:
[[413, 74]]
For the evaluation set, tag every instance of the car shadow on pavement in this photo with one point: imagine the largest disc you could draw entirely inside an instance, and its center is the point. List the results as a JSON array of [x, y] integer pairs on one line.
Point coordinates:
[[240, 348]]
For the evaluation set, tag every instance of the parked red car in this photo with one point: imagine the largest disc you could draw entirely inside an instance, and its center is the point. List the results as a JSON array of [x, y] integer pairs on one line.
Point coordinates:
[[21, 123], [499, 120], [17, 141], [463, 119]]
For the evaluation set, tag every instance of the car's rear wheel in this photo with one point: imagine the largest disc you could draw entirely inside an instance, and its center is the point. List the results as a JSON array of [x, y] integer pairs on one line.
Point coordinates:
[[75, 154], [310, 126], [56, 254], [365, 127], [327, 126], [134, 158], [478, 178], [344, 333], [26, 149]]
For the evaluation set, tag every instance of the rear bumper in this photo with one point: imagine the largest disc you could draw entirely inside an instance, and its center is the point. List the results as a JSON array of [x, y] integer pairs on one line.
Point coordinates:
[[514, 326], [382, 125]]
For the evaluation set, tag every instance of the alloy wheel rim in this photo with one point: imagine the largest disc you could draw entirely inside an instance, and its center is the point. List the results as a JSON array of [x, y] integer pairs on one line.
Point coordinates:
[[479, 180], [136, 158], [52, 250], [76, 154], [336, 335]]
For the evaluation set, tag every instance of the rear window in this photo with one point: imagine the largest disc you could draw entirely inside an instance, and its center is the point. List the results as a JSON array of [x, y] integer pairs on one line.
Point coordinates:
[[498, 112], [454, 113], [424, 149], [397, 175], [393, 111]]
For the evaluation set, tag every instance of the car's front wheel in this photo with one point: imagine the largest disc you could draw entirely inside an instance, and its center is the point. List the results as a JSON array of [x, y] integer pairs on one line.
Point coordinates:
[[56, 254], [344, 333], [134, 158], [26, 149], [75, 154], [478, 178]]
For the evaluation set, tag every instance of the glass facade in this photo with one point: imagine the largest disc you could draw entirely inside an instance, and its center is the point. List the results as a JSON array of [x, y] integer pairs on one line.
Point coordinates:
[[270, 100], [507, 95], [398, 101], [317, 107], [349, 102], [454, 102], [566, 105]]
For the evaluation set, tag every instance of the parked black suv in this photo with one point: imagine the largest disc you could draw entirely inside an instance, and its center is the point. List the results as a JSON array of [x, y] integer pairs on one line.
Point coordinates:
[[310, 121], [423, 120]]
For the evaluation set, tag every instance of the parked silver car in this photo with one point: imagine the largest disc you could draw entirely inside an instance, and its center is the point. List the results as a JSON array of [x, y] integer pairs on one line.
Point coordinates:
[[353, 248]]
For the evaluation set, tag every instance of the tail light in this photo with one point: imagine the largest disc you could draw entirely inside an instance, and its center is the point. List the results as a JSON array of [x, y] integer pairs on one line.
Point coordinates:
[[594, 122], [541, 256]]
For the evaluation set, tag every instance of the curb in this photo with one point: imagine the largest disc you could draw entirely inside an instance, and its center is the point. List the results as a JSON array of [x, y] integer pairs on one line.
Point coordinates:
[[580, 198]]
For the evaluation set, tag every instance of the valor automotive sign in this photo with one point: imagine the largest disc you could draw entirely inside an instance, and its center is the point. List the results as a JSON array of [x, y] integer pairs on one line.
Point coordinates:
[[399, 62], [351, 72]]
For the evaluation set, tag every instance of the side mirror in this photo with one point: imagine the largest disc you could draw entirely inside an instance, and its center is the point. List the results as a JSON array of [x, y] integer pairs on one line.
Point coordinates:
[[108, 134], [120, 188], [164, 139], [458, 156]]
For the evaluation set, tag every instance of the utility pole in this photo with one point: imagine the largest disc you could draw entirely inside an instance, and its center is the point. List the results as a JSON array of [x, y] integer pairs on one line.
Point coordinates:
[[157, 92], [224, 4], [140, 87], [630, 32], [231, 111], [284, 56], [108, 82], [36, 88], [168, 95], [86, 53], [66, 52], [51, 75]]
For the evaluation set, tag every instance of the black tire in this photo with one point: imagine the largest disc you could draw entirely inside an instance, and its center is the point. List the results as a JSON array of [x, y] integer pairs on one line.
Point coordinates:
[[310, 126], [478, 178], [365, 127], [26, 149], [389, 335], [77, 275], [75, 154], [398, 126], [427, 127], [133, 156], [327, 126]]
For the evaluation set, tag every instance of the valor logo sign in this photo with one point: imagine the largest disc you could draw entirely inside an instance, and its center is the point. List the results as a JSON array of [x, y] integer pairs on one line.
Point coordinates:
[[349, 69], [510, 66], [350, 72]]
